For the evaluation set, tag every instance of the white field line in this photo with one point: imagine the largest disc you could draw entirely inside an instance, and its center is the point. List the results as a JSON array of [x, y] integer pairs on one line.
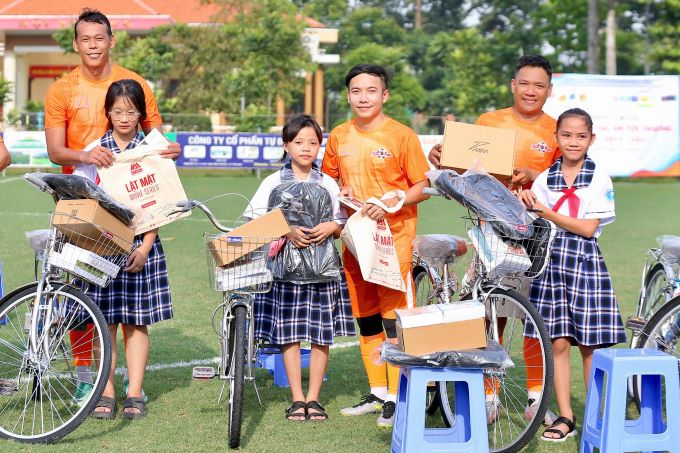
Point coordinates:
[[2, 181], [192, 363]]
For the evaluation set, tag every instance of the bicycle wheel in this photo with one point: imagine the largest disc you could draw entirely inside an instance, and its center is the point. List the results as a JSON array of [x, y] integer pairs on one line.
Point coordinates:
[[424, 286], [653, 295], [37, 390], [513, 428], [662, 332], [237, 376]]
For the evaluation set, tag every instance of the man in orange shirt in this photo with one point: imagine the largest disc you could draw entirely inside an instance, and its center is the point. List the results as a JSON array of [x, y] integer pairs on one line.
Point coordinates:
[[371, 155], [75, 117], [535, 151]]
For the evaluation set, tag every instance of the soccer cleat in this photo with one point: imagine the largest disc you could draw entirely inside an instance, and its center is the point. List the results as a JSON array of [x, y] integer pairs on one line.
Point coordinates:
[[386, 418], [530, 413], [83, 389], [539, 245], [368, 404]]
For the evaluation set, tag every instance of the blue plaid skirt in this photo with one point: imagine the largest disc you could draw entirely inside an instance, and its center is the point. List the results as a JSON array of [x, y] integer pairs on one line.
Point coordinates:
[[575, 295], [313, 312], [141, 298]]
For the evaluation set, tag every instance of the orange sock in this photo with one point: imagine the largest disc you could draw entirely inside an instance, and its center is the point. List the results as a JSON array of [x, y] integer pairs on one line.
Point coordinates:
[[81, 343], [377, 374], [392, 379], [534, 363], [492, 386]]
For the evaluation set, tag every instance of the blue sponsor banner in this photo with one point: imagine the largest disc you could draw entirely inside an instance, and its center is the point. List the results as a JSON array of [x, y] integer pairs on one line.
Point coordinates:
[[237, 150]]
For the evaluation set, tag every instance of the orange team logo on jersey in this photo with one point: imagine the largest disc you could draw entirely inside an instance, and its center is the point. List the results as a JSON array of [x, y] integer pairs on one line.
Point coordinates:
[[542, 147], [381, 153]]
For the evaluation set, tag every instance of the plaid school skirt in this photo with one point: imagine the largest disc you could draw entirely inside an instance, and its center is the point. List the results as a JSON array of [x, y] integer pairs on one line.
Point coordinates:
[[141, 298], [313, 312], [575, 295]]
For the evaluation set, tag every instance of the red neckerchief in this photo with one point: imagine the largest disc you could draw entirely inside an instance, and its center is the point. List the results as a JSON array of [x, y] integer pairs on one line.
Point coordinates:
[[574, 201]]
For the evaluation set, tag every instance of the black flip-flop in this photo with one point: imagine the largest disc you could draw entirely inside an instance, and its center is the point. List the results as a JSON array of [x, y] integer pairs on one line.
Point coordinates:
[[133, 402], [106, 403]]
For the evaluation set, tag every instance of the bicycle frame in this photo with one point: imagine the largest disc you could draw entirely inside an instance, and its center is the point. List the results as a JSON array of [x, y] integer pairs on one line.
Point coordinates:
[[654, 257]]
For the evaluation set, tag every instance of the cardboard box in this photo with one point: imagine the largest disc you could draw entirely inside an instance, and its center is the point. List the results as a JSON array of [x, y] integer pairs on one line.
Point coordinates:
[[86, 224], [464, 144], [248, 237], [442, 327]]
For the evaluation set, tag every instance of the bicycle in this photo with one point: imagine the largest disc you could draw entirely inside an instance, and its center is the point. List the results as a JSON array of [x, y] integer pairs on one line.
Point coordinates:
[[660, 283], [237, 267], [38, 379], [508, 313]]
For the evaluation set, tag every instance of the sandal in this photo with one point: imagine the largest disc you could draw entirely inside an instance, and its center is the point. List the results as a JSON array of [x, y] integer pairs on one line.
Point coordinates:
[[319, 414], [562, 436], [105, 402], [294, 416], [133, 402]]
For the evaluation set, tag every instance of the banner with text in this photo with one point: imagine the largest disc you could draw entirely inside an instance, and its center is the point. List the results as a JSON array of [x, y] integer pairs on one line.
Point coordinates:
[[636, 120], [237, 150]]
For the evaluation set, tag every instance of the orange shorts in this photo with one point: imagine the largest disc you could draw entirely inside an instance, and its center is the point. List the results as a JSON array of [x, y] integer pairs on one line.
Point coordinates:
[[370, 299]]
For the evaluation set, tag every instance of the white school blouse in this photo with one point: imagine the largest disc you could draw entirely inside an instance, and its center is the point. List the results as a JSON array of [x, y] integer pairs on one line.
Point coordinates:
[[597, 199]]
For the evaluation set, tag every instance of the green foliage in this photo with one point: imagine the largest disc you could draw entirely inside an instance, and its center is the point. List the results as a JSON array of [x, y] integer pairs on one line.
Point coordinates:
[[188, 122], [467, 85], [64, 38], [664, 36], [254, 119], [5, 90], [34, 106]]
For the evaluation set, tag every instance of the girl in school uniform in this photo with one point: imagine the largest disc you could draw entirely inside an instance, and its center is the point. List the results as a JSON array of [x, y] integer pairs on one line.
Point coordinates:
[[304, 304], [575, 294], [140, 295]]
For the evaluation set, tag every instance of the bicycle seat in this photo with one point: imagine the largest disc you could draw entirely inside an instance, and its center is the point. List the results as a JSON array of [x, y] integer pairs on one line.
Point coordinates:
[[439, 247]]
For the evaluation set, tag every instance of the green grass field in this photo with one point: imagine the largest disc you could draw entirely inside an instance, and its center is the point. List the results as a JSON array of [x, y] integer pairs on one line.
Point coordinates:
[[184, 414]]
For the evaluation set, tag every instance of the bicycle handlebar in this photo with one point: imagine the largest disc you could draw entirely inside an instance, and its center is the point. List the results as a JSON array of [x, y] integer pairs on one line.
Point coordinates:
[[432, 191], [188, 205], [39, 183]]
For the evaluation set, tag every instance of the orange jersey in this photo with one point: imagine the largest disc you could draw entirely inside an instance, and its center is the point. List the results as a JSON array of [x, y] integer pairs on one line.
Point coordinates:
[[77, 105], [376, 162], [535, 146]]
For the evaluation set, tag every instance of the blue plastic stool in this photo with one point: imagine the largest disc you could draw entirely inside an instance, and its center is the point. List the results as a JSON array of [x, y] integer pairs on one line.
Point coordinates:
[[469, 431], [272, 360], [612, 432]]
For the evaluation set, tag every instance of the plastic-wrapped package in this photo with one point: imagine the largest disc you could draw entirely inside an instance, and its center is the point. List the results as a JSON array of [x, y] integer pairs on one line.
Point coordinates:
[[74, 187], [670, 246], [488, 198], [317, 262], [437, 248], [38, 240], [493, 356]]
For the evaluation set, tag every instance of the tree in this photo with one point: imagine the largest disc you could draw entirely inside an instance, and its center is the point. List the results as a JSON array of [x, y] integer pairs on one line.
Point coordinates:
[[593, 36], [663, 19]]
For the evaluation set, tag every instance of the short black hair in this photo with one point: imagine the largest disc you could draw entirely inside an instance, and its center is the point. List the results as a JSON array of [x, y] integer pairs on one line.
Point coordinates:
[[92, 16], [576, 113], [367, 68], [129, 89], [534, 61], [293, 127]]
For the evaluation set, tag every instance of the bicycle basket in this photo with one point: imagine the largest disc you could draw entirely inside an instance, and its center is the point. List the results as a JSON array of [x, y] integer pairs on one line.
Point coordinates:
[[505, 257], [238, 263], [86, 250]]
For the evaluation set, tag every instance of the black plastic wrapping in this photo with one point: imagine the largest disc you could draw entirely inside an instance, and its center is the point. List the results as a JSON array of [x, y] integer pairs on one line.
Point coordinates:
[[488, 198], [493, 356], [75, 187], [313, 205]]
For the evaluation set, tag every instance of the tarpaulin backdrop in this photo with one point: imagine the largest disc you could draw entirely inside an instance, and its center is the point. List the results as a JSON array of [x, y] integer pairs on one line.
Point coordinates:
[[636, 119]]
